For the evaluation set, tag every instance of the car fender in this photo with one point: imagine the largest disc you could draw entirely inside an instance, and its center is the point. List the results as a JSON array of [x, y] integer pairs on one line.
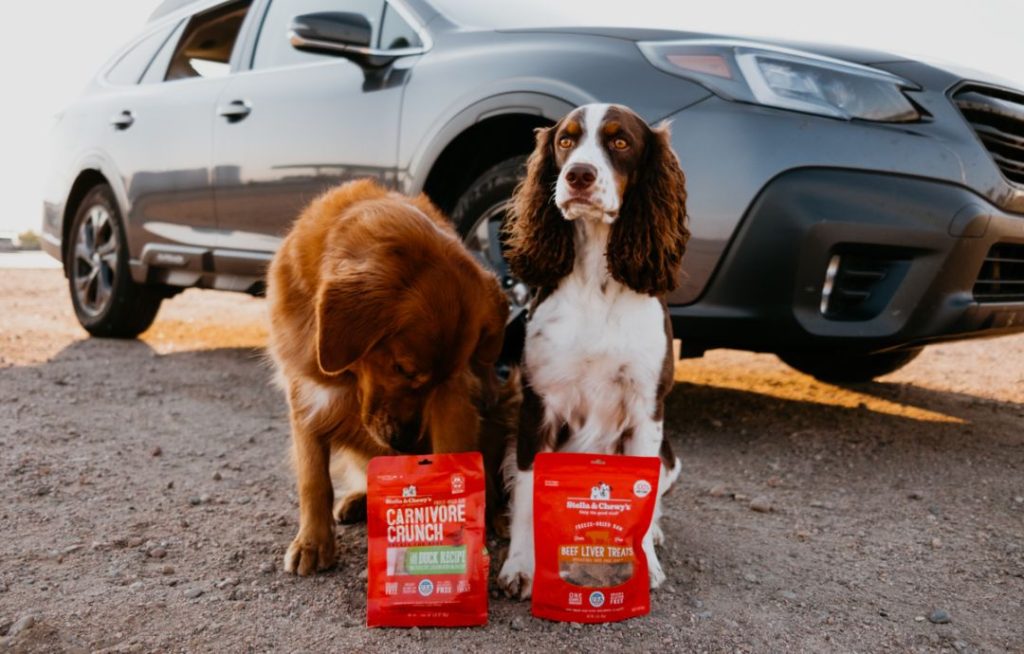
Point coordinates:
[[552, 103]]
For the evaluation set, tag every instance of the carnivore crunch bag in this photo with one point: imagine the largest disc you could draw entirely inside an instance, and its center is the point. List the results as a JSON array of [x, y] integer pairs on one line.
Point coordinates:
[[590, 514], [426, 536]]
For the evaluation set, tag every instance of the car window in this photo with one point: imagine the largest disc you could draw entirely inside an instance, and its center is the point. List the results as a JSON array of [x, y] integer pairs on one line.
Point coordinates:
[[396, 33], [274, 49], [204, 49], [131, 65]]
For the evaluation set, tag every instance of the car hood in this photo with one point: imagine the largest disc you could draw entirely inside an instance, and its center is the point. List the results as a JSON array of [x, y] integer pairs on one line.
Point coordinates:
[[915, 69], [846, 53]]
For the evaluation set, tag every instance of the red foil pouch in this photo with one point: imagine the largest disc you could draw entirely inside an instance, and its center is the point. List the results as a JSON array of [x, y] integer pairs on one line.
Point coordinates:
[[590, 515], [426, 536]]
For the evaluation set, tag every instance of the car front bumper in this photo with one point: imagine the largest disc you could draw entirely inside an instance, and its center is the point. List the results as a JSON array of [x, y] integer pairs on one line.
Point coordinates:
[[905, 255]]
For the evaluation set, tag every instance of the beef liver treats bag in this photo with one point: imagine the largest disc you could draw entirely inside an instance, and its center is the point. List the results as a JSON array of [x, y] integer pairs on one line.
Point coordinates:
[[590, 514], [426, 536]]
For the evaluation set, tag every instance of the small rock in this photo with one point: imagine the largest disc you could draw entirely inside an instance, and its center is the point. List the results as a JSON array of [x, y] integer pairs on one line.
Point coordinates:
[[1019, 499], [136, 587], [415, 632], [193, 593], [761, 504], [217, 476], [204, 499], [167, 570], [718, 490], [71, 549], [195, 501], [960, 645], [266, 567], [750, 577], [517, 623], [919, 618], [938, 616], [156, 451], [703, 615], [157, 553], [717, 424], [788, 594], [135, 541], [24, 623], [915, 495], [362, 574], [936, 543]]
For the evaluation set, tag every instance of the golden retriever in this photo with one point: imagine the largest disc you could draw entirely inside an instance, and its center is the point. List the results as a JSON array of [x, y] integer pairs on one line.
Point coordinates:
[[384, 331]]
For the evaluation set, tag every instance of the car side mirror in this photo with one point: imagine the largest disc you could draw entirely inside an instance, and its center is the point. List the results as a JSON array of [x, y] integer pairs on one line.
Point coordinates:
[[344, 34]]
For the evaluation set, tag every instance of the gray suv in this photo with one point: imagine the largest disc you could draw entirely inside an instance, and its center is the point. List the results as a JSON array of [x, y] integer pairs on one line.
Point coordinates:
[[847, 207]]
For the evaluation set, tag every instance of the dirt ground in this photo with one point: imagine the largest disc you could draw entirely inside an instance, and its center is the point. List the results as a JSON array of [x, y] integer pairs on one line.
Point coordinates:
[[146, 502]]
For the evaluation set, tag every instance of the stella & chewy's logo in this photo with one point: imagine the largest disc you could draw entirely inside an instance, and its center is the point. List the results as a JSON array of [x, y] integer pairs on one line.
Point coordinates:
[[642, 488], [458, 484], [601, 492], [597, 599], [426, 587], [409, 491]]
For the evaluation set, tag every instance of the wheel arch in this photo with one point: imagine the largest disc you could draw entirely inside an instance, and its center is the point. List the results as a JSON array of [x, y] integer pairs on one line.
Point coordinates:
[[478, 137]]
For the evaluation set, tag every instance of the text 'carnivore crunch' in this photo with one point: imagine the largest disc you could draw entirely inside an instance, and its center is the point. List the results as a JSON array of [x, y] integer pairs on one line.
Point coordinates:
[[591, 513], [426, 535]]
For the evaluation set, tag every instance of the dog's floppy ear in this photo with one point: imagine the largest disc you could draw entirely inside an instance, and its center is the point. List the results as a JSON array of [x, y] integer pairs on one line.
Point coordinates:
[[352, 315], [539, 241], [649, 237]]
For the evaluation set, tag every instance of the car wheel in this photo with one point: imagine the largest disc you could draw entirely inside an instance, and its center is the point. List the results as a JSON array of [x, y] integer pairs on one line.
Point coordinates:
[[849, 368], [107, 301], [479, 216]]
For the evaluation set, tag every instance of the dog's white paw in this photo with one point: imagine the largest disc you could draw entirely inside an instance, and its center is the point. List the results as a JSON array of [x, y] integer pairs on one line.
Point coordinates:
[[516, 576]]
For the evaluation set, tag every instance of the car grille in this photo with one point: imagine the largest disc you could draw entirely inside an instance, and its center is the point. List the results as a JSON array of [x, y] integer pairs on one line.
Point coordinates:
[[1002, 274], [997, 117]]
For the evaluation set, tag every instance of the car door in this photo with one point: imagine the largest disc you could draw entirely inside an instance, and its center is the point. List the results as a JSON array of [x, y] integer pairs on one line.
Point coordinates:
[[161, 138], [297, 123]]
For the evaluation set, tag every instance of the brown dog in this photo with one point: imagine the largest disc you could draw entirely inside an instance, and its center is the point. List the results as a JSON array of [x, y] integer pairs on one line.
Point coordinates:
[[385, 332]]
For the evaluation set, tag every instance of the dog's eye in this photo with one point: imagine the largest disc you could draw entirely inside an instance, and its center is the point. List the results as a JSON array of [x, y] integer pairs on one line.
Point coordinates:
[[620, 143], [565, 142], [401, 370]]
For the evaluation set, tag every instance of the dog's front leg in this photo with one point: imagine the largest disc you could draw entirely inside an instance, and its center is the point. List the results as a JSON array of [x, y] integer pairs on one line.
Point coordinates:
[[646, 441], [516, 576], [313, 547]]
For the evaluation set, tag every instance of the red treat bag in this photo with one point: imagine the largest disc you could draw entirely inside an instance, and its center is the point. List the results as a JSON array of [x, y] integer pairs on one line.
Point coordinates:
[[590, 515], [426, 533]]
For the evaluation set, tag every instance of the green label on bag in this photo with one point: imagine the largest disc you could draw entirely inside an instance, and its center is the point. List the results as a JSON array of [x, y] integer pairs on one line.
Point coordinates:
[[436, 560]]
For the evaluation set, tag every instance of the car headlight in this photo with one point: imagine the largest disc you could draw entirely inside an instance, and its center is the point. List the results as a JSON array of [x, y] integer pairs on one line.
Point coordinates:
[[787, 79]]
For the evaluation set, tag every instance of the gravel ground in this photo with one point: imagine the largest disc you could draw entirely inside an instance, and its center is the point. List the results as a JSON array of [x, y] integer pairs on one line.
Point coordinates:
[[146, 502]]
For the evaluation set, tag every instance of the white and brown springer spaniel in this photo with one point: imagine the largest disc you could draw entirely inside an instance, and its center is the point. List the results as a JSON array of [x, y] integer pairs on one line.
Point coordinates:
[[598, 227]]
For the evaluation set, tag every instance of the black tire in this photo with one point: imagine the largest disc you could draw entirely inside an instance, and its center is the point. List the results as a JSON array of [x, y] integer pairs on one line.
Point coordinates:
[[483, 198], [849, 368], [112, 305]]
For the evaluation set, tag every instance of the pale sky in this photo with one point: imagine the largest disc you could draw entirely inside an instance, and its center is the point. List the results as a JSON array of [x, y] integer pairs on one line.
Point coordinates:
[[50, 48]]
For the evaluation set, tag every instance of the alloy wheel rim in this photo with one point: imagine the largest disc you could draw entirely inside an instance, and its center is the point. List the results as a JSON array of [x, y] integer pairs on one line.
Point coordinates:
[[94, 267], [483, 240]]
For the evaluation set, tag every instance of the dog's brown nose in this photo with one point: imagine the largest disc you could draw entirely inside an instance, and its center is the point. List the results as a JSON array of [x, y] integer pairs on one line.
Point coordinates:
[[581, 176]]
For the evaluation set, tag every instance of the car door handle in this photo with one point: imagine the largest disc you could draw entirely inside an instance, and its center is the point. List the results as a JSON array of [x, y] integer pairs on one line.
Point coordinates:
[[122, 120], [235, 110]]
